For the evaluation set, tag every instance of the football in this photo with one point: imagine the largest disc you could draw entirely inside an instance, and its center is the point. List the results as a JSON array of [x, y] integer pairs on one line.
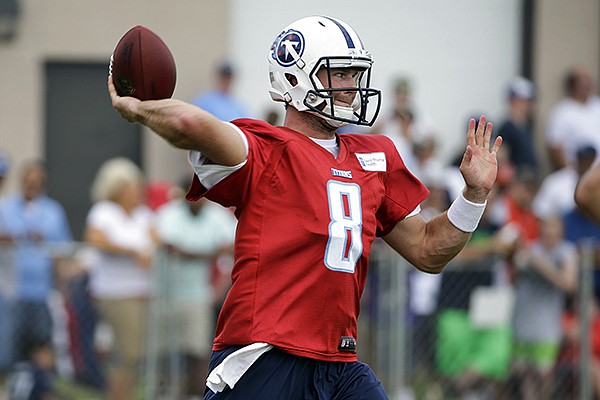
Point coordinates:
[[142, 66]]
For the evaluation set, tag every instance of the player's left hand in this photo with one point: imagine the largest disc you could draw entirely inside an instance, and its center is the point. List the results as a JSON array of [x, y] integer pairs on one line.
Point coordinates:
[[479, 166]]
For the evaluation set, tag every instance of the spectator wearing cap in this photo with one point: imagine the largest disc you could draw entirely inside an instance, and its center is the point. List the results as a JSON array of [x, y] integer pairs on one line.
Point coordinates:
[[220, 101], [516, 128], [556, 195]]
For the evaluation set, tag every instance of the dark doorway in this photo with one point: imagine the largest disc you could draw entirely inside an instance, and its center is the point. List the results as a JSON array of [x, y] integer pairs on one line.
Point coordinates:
[[82, 131]]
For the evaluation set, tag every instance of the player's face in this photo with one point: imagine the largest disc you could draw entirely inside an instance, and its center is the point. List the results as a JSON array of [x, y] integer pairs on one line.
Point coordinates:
[[340, 78]]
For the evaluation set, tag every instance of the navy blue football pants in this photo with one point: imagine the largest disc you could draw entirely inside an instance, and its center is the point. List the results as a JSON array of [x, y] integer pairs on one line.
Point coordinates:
[[280, 376]]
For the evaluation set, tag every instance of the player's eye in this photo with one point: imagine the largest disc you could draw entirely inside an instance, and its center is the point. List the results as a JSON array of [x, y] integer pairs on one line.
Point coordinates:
[[348, 75]]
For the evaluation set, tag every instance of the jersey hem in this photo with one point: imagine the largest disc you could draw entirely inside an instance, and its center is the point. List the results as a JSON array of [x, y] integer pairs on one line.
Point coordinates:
[[314, 355]]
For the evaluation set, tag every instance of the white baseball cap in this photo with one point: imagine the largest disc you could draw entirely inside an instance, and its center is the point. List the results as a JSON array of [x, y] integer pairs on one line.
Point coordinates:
[[522, 88]]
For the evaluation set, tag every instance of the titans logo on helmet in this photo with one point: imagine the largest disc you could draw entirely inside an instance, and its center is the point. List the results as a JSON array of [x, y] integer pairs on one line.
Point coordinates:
[[288, 48]]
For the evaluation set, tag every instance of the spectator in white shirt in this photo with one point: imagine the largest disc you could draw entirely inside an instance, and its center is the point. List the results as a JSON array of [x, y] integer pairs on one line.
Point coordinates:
[[575, 120]]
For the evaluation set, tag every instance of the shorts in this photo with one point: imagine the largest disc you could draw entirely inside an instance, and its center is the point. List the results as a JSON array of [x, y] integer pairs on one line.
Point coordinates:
[[461, 346], [278, 375], [32, 321], [128, 320], [542, 355], [196, 327]]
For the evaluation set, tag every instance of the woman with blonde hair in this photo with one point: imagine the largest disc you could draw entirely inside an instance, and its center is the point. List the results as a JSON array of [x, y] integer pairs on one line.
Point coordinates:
[[120, 228]]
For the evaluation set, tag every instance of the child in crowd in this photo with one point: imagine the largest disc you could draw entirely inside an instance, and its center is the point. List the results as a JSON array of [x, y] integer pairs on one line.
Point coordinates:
[[546, 275], [33, 378]]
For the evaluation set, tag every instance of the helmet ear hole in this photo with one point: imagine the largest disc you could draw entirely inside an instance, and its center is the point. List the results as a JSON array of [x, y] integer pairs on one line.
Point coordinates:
[[291, 79]]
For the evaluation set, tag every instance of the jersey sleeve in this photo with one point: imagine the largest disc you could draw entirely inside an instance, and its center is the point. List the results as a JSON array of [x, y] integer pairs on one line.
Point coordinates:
[[403, 193], [210, 173], [234, 189]]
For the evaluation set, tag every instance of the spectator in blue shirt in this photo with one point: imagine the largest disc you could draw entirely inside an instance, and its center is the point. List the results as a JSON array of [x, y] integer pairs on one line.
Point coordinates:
[[221, 101], [34, 223]]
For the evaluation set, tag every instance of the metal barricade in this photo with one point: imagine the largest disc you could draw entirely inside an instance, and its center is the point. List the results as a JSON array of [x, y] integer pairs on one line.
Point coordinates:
[[387, 336], [163, 361], [390, 340], [586, 295]]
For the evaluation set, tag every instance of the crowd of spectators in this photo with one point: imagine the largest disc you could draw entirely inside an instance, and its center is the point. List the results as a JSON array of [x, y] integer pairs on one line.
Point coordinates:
[[503, 311]]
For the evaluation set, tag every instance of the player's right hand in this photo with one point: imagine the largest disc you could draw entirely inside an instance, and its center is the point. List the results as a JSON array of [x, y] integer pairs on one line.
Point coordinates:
[[126, 106]]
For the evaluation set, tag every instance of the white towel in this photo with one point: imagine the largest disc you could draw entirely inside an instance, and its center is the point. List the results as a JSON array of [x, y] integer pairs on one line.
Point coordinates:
[[234, 366]]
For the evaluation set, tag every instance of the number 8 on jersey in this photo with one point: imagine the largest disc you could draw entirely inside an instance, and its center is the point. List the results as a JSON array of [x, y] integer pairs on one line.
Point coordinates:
[[344, 246]]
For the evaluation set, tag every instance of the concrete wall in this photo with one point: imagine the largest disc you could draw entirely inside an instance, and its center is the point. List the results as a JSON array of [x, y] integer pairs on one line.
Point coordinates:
[[87, 31]]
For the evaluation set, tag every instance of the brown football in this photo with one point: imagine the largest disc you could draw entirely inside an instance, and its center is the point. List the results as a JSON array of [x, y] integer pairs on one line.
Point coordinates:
[[142, 66]]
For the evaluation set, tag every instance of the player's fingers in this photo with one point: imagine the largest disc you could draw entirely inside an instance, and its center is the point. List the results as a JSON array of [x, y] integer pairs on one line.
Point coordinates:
[[471, 133], [468, 155], [497, 144], [111, 87], [487, 135], [480, 130]]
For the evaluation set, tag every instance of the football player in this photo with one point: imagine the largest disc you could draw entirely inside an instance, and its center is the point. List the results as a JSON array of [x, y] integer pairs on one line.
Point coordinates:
[[310, 202]]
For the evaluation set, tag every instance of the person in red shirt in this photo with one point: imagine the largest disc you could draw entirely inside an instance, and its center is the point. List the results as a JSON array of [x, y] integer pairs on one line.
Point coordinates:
[[310, 202]]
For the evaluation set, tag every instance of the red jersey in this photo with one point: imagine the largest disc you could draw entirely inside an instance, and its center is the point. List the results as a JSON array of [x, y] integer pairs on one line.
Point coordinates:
[[306, 224]]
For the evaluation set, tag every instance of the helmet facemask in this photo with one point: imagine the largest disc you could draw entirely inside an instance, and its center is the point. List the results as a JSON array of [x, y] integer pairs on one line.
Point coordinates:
[[320, 99]]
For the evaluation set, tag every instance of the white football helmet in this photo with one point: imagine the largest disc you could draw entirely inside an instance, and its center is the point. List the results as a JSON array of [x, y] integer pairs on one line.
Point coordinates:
[[306, 46]]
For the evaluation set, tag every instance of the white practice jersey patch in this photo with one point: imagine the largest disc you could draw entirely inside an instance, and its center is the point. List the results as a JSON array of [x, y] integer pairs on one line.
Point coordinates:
[[372, 161]]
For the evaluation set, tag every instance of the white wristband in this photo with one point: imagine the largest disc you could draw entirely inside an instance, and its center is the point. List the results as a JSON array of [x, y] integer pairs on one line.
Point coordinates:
[[464, 214]]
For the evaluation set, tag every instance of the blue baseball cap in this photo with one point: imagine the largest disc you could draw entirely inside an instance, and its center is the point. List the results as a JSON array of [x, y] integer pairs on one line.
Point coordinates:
[[587, 151], [226, 69]]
